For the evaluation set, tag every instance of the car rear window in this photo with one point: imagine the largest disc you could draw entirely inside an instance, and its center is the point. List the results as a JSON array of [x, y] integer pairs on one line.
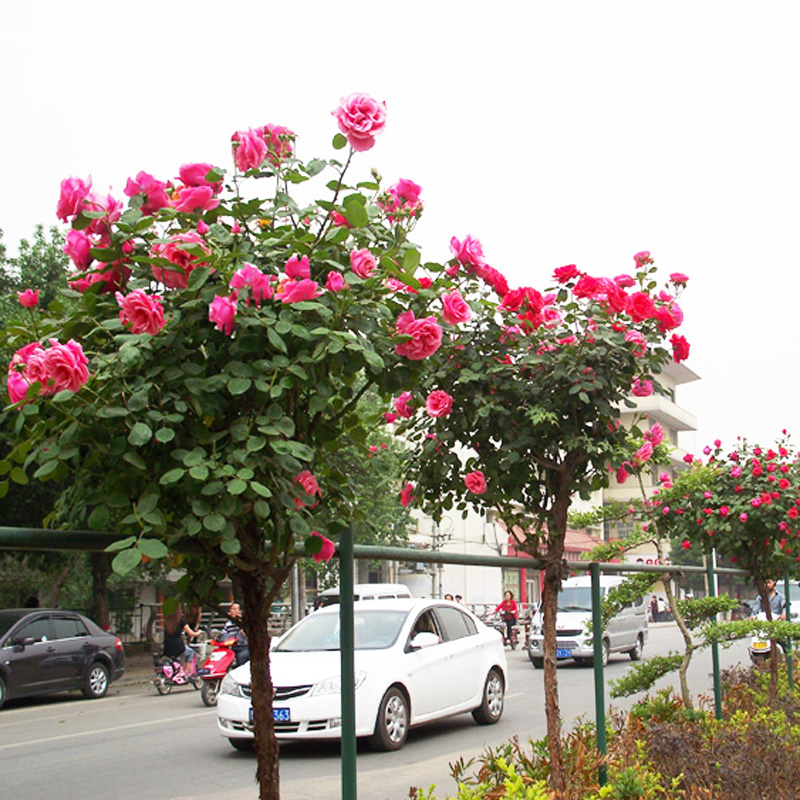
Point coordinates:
[[456, 624]]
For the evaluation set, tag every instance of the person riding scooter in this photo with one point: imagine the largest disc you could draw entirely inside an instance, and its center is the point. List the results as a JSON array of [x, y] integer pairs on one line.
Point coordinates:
[[233, 627], [777, 603]]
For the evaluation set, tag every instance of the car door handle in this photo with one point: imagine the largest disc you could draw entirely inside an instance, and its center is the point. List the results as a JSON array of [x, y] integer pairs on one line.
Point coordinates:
[[51, 649]]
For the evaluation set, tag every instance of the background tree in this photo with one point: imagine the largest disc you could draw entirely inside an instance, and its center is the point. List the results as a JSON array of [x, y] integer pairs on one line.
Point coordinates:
[[209, 361], [526, 414], [744, 505]]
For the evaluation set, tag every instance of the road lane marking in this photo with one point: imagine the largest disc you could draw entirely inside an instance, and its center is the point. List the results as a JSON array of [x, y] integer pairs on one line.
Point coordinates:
[[102, 731]]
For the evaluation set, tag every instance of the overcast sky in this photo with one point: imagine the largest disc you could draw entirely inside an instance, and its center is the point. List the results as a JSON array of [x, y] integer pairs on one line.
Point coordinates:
[[556, 133]]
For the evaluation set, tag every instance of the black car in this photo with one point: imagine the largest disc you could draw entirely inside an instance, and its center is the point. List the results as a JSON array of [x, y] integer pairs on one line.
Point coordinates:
[[45, 650]]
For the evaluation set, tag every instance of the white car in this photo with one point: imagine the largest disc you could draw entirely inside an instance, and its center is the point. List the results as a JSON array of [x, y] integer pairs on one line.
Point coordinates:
[[415, 661]]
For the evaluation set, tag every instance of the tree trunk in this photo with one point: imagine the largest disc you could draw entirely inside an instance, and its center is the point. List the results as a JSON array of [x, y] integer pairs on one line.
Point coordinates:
[[101, 570], [55, 590], [257, 599], [552, 585]]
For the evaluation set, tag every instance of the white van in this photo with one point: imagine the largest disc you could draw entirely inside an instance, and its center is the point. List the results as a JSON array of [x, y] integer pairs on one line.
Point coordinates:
[[366, 591], [625, 633]]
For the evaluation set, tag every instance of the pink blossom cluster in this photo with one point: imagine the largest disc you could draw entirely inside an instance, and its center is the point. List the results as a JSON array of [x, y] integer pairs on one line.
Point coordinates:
[[251, 148], [469, 255], [141, 312], [401, 201], [57, 368], [360, 118]]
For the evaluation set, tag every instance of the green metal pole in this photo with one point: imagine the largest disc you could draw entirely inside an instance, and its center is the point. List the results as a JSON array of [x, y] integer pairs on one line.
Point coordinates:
[[711, 563], [789, 646], [599, 680], [347, 648]]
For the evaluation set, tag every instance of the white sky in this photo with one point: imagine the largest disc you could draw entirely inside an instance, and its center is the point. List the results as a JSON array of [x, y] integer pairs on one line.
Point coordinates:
[[572, 132]]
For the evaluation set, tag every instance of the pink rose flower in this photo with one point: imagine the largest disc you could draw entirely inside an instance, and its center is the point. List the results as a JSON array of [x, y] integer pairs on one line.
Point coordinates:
[[552, 317], [335, 282], [439, 404], [425, 333], [25, 369], [640, 306], [360, 118], [195, 175], [475, 482], [622, 473], [644, 453], [142, 312], [297, 268], [390, 417], [308, 483], [407, 495], [222, 312], [174, 251], [679, 279], [469, 252], [111, 208], [153, 192], [249, 149], [339, 220], [686, 544], [192, 199], [401, 200], [296, 291], [78, 246], [642, 258], [655, 435], [638, 341], [362, 263], [74, 192], [403, 407], [326, 551], [642, 388], [680, 348], [65, 365], [259, 284], [455, 308], [29, 298], [564, 274], [624, 281]]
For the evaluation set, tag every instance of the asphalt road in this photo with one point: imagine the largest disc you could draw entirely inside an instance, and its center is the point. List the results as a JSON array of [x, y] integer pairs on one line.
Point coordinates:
[[136, 745]]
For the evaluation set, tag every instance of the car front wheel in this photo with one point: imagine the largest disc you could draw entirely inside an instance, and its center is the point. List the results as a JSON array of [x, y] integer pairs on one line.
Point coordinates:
[[242, 745], [491, 709], [391, 725], [96, 681], [636, 653], [2, 692]]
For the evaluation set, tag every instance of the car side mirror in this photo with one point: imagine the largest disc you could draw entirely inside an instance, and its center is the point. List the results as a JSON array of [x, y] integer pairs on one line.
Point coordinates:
[[26, 641], [424, 639]]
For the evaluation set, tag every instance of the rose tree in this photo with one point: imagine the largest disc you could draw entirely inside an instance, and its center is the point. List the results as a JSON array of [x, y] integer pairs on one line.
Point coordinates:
[[525, 413], [210, 360]]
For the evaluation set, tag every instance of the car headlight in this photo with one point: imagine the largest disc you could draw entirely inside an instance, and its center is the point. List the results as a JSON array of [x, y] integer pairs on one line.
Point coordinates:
[[334, 685], [231, 686]]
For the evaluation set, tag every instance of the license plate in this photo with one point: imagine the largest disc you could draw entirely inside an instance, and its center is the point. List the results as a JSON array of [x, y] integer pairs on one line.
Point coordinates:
[[281, 714], [203, 671], [562, 652]]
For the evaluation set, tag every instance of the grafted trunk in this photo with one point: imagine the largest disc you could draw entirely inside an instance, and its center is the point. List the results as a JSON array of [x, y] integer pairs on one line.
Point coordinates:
[[101, 570]]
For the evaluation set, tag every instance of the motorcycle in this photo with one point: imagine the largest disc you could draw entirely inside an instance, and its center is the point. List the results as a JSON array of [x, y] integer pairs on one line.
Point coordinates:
[[498, 623], [760, 647], [220, 660], [170, 672]]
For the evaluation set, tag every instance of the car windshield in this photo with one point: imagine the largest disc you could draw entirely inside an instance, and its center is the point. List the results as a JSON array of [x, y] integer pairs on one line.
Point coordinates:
[[374, 630], [575, 598]]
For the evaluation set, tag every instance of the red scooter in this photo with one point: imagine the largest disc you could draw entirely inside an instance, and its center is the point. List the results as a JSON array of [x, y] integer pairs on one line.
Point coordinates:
[[214, 668]]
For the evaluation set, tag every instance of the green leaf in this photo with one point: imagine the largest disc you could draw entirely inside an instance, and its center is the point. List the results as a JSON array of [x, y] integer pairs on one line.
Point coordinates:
[[231, 546], [339, 141], [197, 277], [356, 213], [135, 460], [237, 486], [256, 443], [165, 435], [153, 548], [259, 488], [238, 386], [126, 560], [108, 412], [275, 340], [147, 502], [315, 166], [172, 476], [18, 475], [410, 260], [214, 523], [140, 434], [46, 470], [374, 360], [98, 519], [121, 544], [199, 473]]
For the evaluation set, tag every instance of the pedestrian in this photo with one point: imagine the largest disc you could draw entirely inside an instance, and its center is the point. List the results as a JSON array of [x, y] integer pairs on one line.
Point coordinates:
[[653, 609], [777, 603], [460, 600], [662, 610], [448, 597], [175, 627]]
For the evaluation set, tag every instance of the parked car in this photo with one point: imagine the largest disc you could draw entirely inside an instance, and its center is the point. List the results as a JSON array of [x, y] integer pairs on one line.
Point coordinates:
[[625, 633], [46, 650], [415, 661]]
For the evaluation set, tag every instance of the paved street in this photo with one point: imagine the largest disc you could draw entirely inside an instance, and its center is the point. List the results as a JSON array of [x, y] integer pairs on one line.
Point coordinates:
[[137, 745]]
